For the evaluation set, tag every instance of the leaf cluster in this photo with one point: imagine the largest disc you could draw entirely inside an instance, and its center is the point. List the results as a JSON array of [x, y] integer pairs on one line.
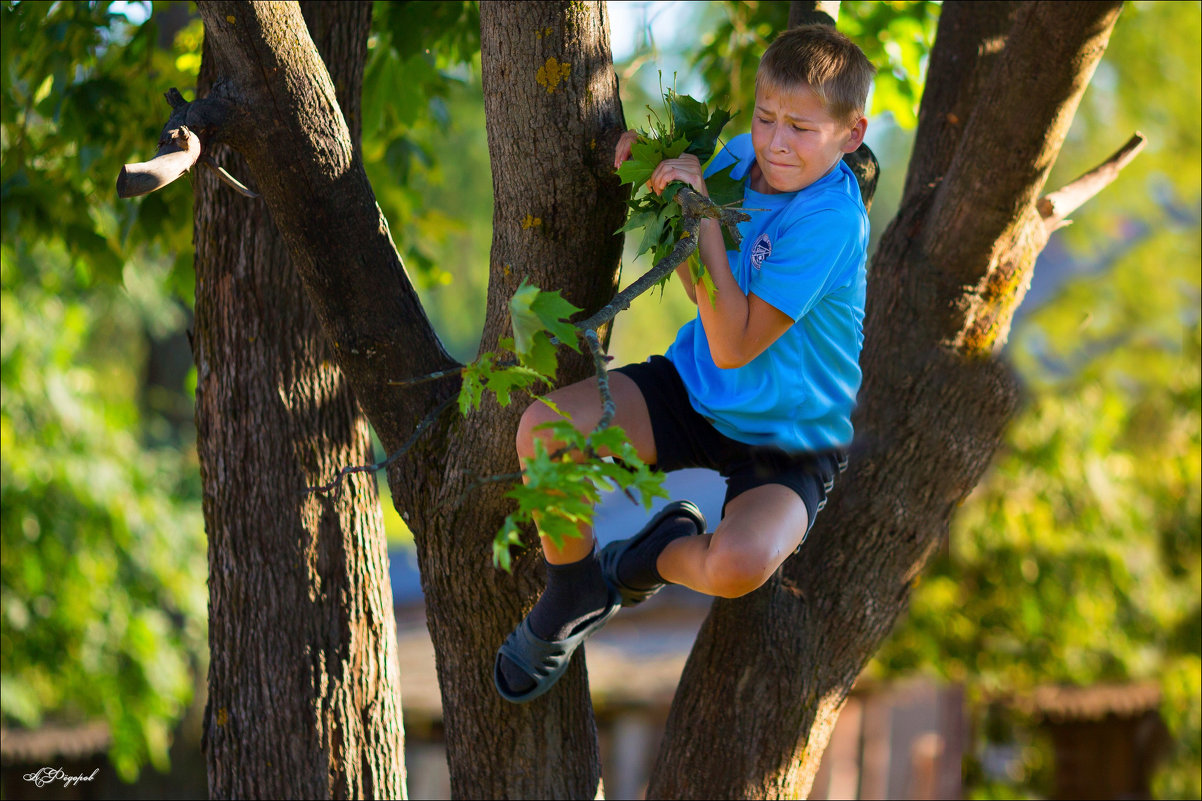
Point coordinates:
[[561, 492], [74, 108], [537, 317], [687, 126], [560, 489]]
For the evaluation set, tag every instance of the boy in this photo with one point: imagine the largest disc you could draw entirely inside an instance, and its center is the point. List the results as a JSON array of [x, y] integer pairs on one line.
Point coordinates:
[[760, 385]]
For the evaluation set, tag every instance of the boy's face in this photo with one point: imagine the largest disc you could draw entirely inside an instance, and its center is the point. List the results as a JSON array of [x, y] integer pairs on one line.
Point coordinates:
[[796, 140]]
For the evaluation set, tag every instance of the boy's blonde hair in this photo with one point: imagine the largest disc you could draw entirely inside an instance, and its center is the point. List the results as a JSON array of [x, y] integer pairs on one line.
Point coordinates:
[[826, 61]]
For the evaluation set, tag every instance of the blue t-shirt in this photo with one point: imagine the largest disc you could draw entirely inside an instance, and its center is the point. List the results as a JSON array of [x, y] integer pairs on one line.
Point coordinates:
[[805, 255]]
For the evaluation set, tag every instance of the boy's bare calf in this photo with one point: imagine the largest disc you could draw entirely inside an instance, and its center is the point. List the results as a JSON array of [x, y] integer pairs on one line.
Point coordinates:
[[581, 402], [762, 527]]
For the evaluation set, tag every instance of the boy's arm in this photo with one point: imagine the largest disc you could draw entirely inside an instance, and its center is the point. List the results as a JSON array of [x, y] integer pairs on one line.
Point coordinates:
[[739, 326]]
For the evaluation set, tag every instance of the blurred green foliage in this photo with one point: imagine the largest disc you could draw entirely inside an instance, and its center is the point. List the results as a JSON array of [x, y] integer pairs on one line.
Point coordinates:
[[74, 107], [102, 538], [418, 54], [1079, 558], [101, 587]]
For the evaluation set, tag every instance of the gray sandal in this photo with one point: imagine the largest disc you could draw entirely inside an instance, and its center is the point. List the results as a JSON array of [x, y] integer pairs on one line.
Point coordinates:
[[544, 661], [612, 554]]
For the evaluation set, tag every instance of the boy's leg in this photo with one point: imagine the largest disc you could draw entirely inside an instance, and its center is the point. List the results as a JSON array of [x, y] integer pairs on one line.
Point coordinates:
[[576, 595], [582, 403], [761, 528]]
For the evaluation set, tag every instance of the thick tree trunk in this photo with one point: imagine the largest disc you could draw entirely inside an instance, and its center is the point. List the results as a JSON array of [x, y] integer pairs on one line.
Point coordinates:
[[304, 688], [771, 671], [553, 116]]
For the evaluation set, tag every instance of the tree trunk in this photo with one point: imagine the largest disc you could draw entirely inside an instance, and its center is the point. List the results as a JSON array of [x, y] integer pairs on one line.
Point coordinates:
[[771, 671], [553, 117], [304, 687]]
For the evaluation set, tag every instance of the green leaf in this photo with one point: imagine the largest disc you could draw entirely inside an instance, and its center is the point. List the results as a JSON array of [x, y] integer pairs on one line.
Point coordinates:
[[676, 148], [533, 314], [724, 190], [472, 389], [688, 115], [635, 171], [639, 220], [553, 311], [503, 382], [649, 151]]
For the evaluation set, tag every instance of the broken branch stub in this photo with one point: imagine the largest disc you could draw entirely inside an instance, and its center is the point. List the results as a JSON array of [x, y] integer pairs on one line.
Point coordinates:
[[189, 130], [176, 155], [1055, 207]]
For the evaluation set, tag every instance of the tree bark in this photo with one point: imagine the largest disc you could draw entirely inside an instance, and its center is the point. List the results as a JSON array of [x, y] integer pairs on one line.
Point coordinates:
[[553, 116], [771, 671], [304, 686]]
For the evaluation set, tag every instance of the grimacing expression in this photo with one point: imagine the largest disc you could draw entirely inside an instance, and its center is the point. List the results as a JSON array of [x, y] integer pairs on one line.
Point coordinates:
[[796, 140]]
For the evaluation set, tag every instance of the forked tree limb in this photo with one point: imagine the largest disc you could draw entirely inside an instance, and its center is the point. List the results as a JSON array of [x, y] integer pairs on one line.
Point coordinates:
[[694, 208]]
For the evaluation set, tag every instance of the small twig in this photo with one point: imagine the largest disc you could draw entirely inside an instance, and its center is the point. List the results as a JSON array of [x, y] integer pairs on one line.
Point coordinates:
[[480, 482], [422, 379], [237, 185], [1054, 207], [425, 423], [609, 408]]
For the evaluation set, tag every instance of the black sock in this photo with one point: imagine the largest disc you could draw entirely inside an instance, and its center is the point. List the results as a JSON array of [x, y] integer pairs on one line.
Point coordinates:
[[575, 593], [637, 569]]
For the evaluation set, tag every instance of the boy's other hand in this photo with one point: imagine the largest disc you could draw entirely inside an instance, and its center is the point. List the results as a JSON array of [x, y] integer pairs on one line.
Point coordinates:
[[622, 149], [686, 168]]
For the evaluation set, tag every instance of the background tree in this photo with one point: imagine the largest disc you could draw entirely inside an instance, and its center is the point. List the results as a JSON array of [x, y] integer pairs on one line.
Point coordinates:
[[303, 577]]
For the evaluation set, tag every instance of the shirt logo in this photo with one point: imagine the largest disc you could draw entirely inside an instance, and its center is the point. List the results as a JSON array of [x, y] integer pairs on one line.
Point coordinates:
[[761, 250]]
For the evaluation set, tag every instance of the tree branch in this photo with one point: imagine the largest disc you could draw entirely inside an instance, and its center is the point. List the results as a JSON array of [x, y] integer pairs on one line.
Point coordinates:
[[177, 154], [694, 208], [1055, 207], [187, 133], [1002, 159], [425, 423], [226, 178]]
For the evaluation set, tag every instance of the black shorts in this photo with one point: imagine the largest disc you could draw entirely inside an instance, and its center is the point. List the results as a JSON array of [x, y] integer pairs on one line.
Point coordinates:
[[683, 438]]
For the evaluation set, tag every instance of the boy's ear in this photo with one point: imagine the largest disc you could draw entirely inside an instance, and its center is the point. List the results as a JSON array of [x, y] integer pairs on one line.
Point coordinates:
[[856, 137]]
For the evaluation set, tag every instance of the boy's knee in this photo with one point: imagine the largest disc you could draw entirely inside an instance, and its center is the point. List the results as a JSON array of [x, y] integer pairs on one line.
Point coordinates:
[[732, 574], [536, 414]]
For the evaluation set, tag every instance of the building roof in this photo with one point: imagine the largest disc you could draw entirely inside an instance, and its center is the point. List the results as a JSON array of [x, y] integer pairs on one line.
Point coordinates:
[[53, 742], [1063, 703]]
